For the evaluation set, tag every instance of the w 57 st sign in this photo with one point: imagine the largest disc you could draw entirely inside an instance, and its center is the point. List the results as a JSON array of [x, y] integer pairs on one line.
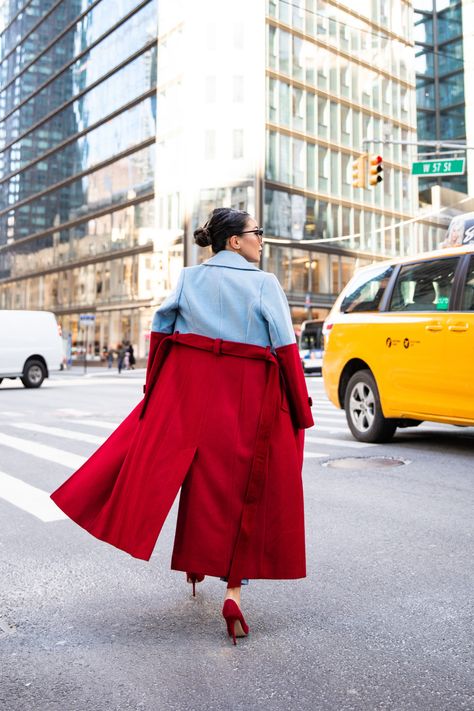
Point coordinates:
[[427, 168]]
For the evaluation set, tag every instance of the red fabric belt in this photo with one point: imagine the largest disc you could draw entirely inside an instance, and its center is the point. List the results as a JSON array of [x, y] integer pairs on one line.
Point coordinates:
[[270, 401]]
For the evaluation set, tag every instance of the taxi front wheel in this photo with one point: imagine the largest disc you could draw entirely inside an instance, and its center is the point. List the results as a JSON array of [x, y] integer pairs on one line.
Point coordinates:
[[363, 411]]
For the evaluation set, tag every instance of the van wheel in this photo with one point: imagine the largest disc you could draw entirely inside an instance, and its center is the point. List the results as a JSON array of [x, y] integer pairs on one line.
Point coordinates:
[[33, 374], [363, 411]]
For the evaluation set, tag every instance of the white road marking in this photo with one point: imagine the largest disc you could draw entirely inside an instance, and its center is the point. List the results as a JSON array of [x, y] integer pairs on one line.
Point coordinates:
[[71, 412], [59, 456], [330, 428], [334, 417], [314, 455], [59, 432], [8, 413], [338, 442], [29, 498], [98, 423]]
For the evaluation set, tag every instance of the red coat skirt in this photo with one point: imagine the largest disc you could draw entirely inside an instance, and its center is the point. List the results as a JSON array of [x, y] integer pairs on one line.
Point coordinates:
[[215, 422]]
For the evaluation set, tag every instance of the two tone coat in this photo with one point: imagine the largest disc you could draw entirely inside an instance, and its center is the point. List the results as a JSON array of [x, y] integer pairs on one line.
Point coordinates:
[[222, 419]]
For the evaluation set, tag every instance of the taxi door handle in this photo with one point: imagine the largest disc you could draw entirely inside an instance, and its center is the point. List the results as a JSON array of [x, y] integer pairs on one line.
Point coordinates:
[[434, 326], [459, 326]]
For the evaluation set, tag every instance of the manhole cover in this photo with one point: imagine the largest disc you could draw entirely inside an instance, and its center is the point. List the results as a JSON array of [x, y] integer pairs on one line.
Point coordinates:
[[365, 462]]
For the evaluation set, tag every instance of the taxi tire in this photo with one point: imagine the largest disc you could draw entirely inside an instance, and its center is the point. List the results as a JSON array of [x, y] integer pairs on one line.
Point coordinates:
[[382, 428]]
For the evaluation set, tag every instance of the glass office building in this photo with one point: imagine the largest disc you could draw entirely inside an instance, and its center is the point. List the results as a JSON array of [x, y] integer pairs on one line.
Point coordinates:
[[278, 109], [336, 76], [123, 123], [440, 78], [77, 163]]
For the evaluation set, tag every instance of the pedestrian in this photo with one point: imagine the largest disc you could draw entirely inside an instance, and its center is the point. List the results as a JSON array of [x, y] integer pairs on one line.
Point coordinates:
[[110, 357], [131, 356], [126, 360], [223, 416], [120, 357]]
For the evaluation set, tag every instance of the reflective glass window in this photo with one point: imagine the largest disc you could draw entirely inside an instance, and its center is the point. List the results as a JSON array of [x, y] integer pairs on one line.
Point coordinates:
[[451, 90], [449, 23], [468, 293], [117, 230], [425, 286], [120, 133], [42, 36], [366, 290], [133, 80], [23, 23], [110, 52], [126, 178]]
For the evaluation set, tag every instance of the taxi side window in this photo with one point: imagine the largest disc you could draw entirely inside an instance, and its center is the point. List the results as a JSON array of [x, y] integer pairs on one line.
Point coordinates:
[[425, 286], [367, 290], [468, 295]]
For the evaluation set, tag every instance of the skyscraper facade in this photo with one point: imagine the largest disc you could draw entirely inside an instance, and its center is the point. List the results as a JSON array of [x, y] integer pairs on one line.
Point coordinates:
[[275, 109], [77, 135], [441, 79], [337, 75]]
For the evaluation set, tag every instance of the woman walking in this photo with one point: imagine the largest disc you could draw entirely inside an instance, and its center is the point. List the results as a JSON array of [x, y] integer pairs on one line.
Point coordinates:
[[222, 419]]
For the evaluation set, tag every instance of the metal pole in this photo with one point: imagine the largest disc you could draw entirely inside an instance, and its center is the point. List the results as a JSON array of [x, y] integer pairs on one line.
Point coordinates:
[[85, 349], [436, 144]]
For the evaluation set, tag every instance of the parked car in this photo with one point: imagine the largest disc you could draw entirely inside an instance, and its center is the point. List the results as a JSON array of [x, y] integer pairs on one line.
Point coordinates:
[[399, 344], [30, 346]]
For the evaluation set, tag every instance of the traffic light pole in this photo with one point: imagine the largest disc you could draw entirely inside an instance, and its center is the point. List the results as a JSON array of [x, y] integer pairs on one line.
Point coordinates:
[[432, 144]]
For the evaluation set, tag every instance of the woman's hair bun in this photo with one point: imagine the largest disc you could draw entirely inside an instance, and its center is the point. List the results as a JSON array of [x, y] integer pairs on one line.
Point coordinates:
[[202, 236]]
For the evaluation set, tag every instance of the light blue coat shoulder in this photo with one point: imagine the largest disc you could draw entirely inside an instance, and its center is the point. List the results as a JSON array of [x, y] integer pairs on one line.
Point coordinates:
[[230, 298]]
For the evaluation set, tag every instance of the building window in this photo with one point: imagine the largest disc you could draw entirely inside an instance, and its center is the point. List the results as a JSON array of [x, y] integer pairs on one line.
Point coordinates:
[[209, 144], [237, 143], [322, 117], [323, 168], [238, 89]]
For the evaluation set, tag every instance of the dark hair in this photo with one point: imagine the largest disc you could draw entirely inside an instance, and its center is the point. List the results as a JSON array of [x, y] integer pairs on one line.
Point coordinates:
[[222, 224]]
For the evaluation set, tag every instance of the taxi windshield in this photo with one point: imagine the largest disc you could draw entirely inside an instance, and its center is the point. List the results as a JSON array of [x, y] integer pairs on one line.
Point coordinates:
[[366, 290]]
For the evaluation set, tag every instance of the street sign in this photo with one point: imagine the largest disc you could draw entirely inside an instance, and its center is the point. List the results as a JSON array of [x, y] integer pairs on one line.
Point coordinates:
[[454, 166], [86, 319]]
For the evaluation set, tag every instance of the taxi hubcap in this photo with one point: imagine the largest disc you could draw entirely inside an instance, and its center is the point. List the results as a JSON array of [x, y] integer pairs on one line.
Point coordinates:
[[362, 407]]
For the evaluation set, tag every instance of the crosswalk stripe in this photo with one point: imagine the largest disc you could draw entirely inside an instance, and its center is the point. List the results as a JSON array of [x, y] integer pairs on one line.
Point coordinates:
[[29, 498], [71, 412], [43, 451], [333, 417], [338, 442], [103, 424], [59, 432], [330, 428]]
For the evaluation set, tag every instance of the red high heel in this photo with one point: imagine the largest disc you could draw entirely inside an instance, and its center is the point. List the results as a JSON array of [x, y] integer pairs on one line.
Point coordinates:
[[194, 578], [236, 625]]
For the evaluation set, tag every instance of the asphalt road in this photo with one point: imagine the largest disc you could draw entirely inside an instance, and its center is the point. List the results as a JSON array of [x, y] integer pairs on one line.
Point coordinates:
[[383, 620]]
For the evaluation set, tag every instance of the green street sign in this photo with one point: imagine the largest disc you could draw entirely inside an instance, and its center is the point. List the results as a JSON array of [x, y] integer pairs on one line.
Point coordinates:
[[455, 166]]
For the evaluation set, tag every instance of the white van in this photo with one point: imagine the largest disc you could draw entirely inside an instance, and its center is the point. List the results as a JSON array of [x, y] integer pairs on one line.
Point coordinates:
[[30, 346]]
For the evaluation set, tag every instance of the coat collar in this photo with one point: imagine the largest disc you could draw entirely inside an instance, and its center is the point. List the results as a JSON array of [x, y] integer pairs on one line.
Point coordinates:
[[226, 258]]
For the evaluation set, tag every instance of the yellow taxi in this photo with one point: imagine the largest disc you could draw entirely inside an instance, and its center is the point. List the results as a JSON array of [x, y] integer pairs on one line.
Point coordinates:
[[399, 344]]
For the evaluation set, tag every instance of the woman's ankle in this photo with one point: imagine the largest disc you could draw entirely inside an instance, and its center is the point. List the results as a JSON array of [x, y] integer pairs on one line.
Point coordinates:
[[233, 594]]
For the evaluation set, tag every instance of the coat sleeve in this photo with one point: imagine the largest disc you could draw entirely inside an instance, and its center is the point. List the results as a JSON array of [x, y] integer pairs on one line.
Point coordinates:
[[163, 322], [165, 316], [276, 312]]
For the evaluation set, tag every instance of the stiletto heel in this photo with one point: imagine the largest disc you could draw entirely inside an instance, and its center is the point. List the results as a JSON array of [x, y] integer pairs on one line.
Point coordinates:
[[236, 625], [194, 578]]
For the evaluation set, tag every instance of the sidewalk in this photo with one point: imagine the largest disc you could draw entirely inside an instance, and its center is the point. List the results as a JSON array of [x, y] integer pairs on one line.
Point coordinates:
[[97, 371]]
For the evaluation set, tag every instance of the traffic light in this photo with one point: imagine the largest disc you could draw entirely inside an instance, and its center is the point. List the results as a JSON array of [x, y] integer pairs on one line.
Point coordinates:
[[375, 169], [359, 175]]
